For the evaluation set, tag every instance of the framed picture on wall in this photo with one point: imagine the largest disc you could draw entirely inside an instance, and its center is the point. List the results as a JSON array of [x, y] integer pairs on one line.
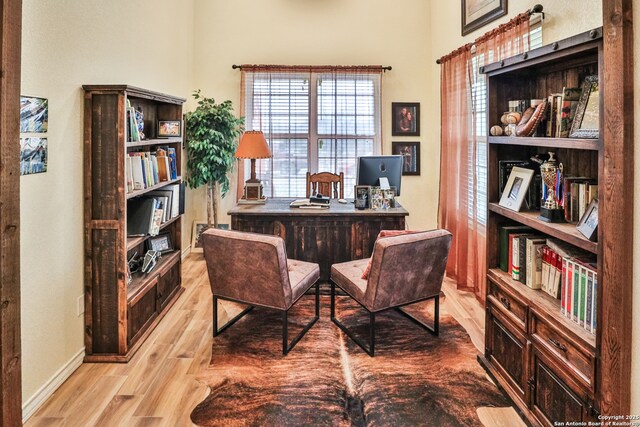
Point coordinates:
[[410, 152], [198, 228], [406, 119], [478, 13]]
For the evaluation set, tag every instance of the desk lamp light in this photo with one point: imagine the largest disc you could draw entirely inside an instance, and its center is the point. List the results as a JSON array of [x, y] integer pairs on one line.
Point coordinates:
[[253, 146]]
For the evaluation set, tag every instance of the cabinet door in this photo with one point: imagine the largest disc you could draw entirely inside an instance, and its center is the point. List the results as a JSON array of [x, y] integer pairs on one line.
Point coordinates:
[[552, 400], [141, 313], [506, 351], [168, 283]]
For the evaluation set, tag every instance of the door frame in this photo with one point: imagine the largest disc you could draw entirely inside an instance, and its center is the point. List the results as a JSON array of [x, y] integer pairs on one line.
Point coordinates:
[[10, 352]]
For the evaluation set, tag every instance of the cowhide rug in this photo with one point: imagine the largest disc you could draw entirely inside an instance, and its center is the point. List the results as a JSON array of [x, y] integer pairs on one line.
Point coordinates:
[[415, 378]]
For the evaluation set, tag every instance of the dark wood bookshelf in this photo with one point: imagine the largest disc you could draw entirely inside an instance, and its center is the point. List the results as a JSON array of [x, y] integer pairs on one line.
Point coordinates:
[[535, 352], [562, 231], [119, 316], [137, 193], [551, 143]]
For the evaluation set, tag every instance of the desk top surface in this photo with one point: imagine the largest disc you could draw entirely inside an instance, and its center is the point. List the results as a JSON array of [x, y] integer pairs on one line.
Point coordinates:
[[281, 207]]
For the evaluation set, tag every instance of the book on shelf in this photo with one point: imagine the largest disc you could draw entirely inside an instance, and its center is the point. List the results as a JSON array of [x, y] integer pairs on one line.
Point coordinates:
[[578, 301], [145, 169], [505, 253], [534, 262], [522, 256]]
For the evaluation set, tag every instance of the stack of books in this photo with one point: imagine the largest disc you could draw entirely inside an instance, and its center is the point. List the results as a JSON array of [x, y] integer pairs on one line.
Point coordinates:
[[145, 169], [578, 193], [579, 292], [562, 112]]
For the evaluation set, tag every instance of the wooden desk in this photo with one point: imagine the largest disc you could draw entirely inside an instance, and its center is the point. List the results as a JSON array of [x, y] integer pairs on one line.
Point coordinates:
[[338, 234]]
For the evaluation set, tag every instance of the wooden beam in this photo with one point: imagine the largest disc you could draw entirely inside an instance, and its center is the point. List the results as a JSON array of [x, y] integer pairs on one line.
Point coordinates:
[[10, 357], [616, 210]]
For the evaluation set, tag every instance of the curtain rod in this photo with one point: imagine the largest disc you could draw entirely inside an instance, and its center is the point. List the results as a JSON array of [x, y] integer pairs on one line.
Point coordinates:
[[314, 67], [535, 9]]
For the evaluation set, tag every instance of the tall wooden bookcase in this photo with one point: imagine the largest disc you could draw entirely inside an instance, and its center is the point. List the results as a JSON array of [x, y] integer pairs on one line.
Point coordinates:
[[119, 316], [549, 365]]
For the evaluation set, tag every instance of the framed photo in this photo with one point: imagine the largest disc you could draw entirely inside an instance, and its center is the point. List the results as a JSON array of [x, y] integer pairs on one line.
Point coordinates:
[[586, 123], [34, 114], [169, 128], [161, 243], [516, 188], [410, 152], [406, 118], [198, 228], [478, 13], [361, 196], [588, 224], [376, 197]]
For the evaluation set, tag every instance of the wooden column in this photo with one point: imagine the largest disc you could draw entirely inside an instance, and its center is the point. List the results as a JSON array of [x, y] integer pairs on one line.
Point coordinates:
[[10, 366], [616, 210]]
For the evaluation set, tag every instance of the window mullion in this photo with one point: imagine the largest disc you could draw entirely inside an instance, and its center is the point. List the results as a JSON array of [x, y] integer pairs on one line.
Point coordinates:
[[312, 154]]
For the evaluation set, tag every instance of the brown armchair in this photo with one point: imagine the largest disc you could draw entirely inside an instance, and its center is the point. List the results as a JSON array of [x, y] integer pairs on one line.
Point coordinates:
[[326, 183], [254, 269], [405, 269]]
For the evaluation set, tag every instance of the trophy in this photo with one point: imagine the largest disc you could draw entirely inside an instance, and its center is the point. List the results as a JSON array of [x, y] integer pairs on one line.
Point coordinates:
[[552, 173]]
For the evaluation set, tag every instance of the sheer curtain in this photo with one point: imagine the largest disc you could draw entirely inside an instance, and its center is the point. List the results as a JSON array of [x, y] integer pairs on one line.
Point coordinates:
[[463, 162]]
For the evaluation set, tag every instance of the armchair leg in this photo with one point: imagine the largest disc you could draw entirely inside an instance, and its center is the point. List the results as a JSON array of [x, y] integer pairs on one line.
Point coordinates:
[[435, 330], [286, 347], [372, 326], [217, 331]]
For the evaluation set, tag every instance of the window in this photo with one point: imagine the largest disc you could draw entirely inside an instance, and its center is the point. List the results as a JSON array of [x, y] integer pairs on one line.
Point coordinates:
[[479, 123], [313, 121]]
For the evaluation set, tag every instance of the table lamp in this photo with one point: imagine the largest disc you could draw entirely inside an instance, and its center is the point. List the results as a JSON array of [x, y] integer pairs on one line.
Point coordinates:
[[253, 146]]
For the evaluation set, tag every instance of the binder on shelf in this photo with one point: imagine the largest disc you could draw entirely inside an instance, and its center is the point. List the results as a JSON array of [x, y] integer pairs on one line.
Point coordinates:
[[140, 215]]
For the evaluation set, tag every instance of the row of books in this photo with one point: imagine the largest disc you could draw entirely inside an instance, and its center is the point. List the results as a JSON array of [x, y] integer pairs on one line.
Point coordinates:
[[578, 193], [147, 213], [561, 112], [558, 269], [145, 169], [579, 292]]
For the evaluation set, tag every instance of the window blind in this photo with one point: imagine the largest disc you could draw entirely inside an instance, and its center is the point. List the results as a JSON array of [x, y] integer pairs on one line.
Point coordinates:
[[313, 121]]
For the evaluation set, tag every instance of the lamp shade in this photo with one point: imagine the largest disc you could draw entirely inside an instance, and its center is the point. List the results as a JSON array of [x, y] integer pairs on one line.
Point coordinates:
[[253, 146]]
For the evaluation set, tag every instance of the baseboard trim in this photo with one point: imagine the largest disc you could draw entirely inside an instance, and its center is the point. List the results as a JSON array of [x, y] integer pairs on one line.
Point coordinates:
[[37, 400], [186, 252]]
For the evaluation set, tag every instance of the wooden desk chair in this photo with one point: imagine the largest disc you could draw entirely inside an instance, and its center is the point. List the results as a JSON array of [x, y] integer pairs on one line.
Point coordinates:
[[326, 183]]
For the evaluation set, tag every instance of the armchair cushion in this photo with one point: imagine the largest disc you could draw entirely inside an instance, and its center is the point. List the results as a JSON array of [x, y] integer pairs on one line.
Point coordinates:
[[348, 276], [302, 275]]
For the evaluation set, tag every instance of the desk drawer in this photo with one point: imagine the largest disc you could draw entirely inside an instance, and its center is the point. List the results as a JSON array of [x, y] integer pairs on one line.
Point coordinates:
[[514, 308], [581, 363]]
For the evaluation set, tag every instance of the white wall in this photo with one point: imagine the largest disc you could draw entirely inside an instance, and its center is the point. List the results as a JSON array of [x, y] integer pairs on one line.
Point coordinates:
[[67, 43], [328, 32]]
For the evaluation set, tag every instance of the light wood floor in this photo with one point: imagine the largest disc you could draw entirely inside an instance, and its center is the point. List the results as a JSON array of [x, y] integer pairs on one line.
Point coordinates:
[[158, 387]]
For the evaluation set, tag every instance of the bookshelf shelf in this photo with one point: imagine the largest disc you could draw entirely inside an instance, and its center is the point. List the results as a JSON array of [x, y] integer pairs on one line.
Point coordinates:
[[563, 231], [152, 142], [132, 242], [153, 187], [544, 303], [551, 143], [120, 316], [142, 282]]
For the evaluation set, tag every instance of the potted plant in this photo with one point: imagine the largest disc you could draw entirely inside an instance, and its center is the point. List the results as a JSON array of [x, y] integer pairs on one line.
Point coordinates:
[[212, 132]]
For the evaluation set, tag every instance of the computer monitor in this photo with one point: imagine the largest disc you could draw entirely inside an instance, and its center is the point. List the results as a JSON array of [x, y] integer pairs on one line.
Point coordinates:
[[372, 168]]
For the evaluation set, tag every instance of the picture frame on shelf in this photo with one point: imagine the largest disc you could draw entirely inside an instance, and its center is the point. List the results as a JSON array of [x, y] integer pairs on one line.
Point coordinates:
[[586, 123], [516, 188], [198, 228], [161, 242], [588, 225], [478, 13], [169, 128], [405, 119], [410, 152]]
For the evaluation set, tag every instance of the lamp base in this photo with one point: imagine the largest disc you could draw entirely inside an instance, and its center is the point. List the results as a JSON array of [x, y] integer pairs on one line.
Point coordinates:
[[253, 192], [244, 201]]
